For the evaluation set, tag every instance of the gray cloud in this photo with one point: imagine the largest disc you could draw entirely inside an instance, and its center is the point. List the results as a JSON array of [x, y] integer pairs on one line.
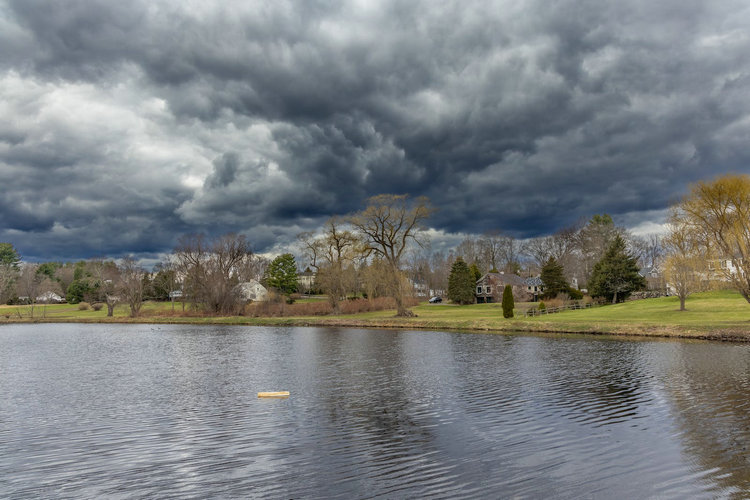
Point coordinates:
[[129, 124]]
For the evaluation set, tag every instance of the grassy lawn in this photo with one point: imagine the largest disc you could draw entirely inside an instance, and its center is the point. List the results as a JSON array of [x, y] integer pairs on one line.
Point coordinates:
[[718, 314]]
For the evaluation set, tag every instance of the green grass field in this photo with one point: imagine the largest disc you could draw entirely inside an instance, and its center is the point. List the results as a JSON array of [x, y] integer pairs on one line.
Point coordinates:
[[718, 314]]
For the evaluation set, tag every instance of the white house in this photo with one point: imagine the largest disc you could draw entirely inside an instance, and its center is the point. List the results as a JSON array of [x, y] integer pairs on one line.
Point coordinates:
[[252, 290], [49, 298]]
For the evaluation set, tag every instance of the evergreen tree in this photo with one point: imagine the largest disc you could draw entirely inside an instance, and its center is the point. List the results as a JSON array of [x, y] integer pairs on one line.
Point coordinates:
[[9, 269], [476, 274], [553, 278], [282, 274], [461, 283], [615, 276], [508, 302]]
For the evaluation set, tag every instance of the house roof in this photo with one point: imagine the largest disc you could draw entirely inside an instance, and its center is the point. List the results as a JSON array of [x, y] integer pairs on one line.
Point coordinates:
[[503, 279], [534, 281]]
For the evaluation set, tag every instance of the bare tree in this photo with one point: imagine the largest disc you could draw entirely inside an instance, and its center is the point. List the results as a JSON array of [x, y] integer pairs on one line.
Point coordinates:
[[593, 240], [440, 264], [388, 225], [492, 245], [32, 284], [109, 276], [539, 249], [654, 249], [332, 255], [211, 270], [470, 250], [65, 276], [686, 263], [131, 285]]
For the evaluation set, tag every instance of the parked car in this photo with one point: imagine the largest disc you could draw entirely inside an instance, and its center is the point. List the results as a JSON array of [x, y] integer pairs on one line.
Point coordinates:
[[435, 300]]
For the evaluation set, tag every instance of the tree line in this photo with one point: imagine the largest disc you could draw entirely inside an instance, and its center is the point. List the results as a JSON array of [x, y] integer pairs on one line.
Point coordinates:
[[382, 251]]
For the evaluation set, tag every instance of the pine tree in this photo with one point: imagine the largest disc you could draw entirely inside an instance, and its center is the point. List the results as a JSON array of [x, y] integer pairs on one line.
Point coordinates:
[[475, 272], [282, 274], [615, 276], [553, 278], [461, 283], [508, 302]]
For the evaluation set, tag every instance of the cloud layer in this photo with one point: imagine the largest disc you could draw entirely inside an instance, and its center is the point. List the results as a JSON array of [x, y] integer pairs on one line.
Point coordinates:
[[127, 124]]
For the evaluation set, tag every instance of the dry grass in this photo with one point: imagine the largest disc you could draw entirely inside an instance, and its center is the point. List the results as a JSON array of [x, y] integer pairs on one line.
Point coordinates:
[[320, 308]]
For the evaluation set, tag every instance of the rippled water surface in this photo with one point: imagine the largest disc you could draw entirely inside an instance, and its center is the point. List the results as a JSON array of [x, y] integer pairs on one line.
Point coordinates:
[[122, 411]]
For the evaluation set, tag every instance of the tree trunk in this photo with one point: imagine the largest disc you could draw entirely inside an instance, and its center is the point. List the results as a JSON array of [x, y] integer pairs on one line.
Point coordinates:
[[614, 298], [110, 309], [334, 301], [682, 302]]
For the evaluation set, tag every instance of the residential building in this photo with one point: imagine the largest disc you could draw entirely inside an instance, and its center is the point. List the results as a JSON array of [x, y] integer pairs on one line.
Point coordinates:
[[489, 288]]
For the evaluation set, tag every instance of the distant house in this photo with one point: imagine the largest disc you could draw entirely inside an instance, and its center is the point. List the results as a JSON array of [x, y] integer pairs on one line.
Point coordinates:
[[420, 289], [489, 288], [306, 280], [722, 268], [654, 278], [252, 291], [49, 298], [534, 287]]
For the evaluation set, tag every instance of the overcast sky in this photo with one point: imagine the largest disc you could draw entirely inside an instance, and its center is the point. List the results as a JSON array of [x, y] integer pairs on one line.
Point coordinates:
[[126, 124]]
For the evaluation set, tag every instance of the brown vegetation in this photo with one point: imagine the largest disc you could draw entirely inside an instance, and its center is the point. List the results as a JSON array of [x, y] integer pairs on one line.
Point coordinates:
[[281, 309]]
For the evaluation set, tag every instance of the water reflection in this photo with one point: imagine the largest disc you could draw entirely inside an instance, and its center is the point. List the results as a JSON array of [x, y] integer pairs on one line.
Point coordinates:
[[171, 411], [709, 390]]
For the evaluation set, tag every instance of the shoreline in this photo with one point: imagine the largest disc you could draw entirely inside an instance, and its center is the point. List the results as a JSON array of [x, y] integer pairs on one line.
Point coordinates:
[[515, 326]]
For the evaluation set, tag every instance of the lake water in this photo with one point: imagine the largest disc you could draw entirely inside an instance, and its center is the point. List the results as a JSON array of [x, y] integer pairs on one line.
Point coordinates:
[[153, 411]]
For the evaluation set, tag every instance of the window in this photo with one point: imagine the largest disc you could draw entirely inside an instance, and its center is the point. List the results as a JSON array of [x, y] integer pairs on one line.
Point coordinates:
[[479, 290], [488, 290]]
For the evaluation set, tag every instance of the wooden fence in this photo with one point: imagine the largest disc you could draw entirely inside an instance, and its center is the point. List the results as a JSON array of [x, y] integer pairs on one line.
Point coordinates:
[[553, 310]]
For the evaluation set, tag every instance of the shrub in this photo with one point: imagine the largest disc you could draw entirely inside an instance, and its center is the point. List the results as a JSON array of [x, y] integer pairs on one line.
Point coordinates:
[[83, 306], [97, 307], [322, 308], [575, 294], [542, 306], [556, 302], [508, 302]]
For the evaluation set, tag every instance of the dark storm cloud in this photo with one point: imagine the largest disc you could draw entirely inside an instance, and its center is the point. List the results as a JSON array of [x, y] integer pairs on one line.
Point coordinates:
[[166, 117]]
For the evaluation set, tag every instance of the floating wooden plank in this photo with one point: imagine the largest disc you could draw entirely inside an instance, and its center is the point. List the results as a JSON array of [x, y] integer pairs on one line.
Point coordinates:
[[279, 394]]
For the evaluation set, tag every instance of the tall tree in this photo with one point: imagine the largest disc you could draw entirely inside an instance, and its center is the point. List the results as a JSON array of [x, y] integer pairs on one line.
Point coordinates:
[[332, 255], [282, 274], [131, 285], [593, 240], [491, 246], [461, 283], [616, 276], [388, 225], [510, 250], [685, 267], [470, 250], [719, 211], [9, 268], [553, 278], [212, 269], [31, 284]]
